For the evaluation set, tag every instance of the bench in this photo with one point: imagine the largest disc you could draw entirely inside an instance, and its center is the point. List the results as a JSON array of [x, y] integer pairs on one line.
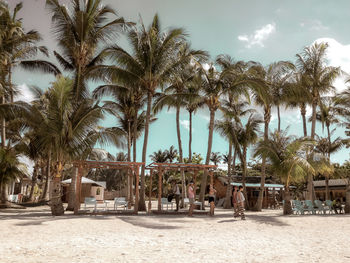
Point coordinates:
[[90, 201], [164, 201], [120, 201]]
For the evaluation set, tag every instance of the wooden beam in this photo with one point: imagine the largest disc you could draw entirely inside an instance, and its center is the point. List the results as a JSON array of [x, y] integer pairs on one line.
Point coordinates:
[[136, 205], [160, 183], [150, 192], [78, 189]]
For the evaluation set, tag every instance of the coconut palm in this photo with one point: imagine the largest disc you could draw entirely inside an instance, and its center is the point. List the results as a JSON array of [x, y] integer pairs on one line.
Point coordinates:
[[286, 156], [80, 29], [215, 157], [318, 78], [153, 59], [266, 94], [172, 154], [159, 156], [243, 136]]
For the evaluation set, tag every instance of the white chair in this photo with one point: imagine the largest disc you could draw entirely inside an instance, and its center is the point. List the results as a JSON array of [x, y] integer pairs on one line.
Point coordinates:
[[187, 201], [90, 201], [164, 201], [120, 201]]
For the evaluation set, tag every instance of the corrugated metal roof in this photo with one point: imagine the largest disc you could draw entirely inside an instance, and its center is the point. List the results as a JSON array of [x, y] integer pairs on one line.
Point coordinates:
[[332, 182], [258, 185], [85, 180]]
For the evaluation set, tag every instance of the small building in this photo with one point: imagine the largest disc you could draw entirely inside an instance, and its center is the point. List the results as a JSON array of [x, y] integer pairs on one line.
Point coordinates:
[[18, 188], [337, 189], [90, 188]]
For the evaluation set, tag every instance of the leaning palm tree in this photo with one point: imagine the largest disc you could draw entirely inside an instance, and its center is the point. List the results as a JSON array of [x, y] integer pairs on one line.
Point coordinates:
[[287, 158], [318, 78], [154, 57], [80, 29]]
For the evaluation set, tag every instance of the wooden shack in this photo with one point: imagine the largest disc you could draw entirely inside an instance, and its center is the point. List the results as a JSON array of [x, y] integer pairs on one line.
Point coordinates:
[[337, 189]]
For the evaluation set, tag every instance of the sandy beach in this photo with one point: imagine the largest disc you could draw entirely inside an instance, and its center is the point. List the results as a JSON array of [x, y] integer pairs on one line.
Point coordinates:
[[33, 235]]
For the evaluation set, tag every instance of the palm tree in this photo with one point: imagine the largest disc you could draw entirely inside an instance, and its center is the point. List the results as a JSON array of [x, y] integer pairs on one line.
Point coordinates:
[[287, 159], [80, 28], [153, 59], [172, 154], [215, 157], [266, 94], [159, 156], [11, 168], [243, 136], [318, 79], [68, 130]]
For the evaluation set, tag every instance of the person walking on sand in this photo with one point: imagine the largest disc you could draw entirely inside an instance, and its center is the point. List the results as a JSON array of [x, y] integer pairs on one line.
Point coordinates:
[[176, 192], [190, 193], [234, 201], [240, 202], [212, 193]]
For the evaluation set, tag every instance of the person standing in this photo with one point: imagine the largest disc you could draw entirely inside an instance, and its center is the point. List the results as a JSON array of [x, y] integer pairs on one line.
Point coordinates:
[[240, 202], [234, 201], [212, 193], [176, 191], [191, 195]]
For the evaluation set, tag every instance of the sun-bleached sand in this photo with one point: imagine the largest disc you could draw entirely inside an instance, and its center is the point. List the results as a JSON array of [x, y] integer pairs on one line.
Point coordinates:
[[33, 235]]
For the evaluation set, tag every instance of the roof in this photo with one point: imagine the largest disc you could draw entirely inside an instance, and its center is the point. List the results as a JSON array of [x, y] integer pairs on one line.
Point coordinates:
[[85, 180], [258, 185], [184, 166], [332, 182]]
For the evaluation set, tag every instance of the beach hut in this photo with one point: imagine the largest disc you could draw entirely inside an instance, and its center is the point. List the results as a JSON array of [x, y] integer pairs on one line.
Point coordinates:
[[90, 188], [337, 189]]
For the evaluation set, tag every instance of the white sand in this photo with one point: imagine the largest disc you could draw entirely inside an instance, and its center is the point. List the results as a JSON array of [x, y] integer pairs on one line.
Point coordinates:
[[32, 235]]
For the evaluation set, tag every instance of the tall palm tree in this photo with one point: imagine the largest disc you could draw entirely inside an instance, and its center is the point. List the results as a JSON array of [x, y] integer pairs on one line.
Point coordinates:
[[159, 156], [172, 154], [243, 136], [287, 159], [318, 78], [154, 57], [80, 29], [266, 94], [215, 157]]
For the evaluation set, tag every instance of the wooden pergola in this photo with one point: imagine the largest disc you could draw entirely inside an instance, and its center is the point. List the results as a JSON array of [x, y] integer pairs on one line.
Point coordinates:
[[133, 167], [182, 167]]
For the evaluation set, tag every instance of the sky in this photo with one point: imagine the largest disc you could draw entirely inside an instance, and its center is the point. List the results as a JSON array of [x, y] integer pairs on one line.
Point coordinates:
[[264, 31]]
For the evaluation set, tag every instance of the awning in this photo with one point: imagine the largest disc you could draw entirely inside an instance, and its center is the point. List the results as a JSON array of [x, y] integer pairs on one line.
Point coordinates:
[[270, 186], [85, 180]]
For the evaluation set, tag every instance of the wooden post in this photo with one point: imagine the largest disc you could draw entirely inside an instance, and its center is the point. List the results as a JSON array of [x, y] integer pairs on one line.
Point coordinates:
[[130, 195], [194, 182], [160, 179], [211, 178], [136, 205], [78, 190], [150, 192]]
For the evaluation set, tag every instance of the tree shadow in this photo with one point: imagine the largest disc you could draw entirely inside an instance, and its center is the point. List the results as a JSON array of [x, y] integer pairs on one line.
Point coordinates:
[[269, 220], [137, 221]]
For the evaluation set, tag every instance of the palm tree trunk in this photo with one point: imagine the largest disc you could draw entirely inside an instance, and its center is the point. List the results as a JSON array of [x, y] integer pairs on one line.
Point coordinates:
[[3, 127], [244, 176], [72, 187], [329, 158], [142, 203], [347, 196], [128, 177], [227, 203], [48, 168], [267, 117], [303, 115], [178, 132], [190, 140], [310, 184], [3, 194], [287, 208], [207, 160], [56, 204], [279, 118], [34, 178]]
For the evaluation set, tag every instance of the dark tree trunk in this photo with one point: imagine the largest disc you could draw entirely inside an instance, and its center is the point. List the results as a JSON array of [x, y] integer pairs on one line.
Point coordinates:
[[267, 118], [207, 160], [34, 178], [142, 202], [279, 118], [72, 187], [303, 115], [244, 176], [287, 208], [56, 204], [3, 127], [180, 152], [3, 194], [227, 203], [190, 140]]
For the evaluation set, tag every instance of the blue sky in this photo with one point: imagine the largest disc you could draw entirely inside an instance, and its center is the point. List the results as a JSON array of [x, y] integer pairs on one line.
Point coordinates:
[[264, 31]]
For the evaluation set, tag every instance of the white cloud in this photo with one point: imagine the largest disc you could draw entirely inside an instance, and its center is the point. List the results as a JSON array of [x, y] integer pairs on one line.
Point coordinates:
[[313, 25], [25, 94], [185, 124], [259, 36], [338, 55]]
